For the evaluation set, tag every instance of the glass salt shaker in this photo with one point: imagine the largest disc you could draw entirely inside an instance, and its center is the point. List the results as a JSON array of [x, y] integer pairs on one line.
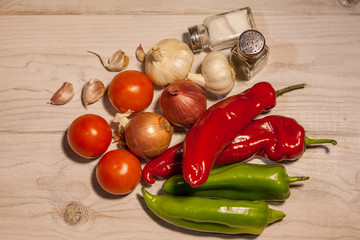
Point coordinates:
[[221, 31], [249, 55]]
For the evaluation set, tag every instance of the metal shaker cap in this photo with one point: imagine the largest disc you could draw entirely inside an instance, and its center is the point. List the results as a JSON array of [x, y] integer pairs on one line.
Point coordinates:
[[251, 43], [195, 34]]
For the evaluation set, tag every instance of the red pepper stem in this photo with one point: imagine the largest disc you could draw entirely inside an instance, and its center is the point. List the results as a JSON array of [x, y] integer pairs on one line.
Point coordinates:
[[310, 141], [297, 179], [290, 88]]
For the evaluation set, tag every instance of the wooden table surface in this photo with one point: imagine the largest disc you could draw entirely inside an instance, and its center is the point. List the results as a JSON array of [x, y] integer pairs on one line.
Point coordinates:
[[44, 43]]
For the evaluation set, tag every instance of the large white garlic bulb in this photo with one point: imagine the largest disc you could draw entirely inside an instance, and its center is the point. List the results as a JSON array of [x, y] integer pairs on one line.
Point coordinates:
[[168, 61], [218, 76]]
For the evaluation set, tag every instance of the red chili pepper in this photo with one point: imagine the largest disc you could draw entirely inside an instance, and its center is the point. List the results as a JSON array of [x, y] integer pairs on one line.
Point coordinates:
[[275, 138], [221, 123], [169, 163]]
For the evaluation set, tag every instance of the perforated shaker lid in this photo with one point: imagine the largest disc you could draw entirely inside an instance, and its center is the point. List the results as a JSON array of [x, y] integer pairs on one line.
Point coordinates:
[[251, 43]]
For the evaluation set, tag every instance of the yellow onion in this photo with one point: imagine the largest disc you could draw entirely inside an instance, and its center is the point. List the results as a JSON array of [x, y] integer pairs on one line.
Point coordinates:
[[182, 102], [148, 134]]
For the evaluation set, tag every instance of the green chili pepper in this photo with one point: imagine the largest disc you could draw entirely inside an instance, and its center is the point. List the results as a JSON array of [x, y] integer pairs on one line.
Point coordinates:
[[244, 181], [213, 215]]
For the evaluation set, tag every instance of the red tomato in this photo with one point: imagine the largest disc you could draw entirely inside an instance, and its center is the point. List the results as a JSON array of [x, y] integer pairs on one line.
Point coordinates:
[[118, 172], [131, 90], [89, 136]]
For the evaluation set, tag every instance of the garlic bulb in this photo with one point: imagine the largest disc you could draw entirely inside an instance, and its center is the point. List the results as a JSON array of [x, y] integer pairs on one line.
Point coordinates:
[[218, 76], [168, 61]]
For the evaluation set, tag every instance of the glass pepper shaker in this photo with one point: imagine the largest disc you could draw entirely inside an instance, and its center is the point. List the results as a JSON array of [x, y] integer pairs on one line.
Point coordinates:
[[221, 31], [249, 55]]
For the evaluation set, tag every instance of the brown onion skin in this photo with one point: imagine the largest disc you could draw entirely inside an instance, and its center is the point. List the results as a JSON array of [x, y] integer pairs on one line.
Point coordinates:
[[148, 134], [182, 102]]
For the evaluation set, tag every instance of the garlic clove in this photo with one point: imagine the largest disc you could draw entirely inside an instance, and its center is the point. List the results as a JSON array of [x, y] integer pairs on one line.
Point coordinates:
[[117, 62], [92, 92], [140, 53], [63, 95]]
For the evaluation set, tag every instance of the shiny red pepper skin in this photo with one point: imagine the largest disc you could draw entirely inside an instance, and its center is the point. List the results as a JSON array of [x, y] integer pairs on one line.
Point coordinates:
[[169, 163], [221, 123], [275, 138]]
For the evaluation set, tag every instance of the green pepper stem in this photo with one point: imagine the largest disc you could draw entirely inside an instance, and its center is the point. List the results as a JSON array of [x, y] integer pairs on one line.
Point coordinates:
[[297, 179], [290, 88], [276, 215], [310, 141]]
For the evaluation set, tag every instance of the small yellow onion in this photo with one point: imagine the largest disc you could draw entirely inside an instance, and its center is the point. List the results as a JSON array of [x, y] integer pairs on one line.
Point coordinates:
[[168, 61], [148, 134], [182, 102]]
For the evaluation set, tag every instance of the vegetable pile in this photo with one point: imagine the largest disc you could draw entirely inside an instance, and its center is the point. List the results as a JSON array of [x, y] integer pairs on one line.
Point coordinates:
[[209, 186]]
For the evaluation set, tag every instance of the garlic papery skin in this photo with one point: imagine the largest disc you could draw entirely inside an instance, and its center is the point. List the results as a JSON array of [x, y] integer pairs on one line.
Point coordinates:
[[122, 119], [63, 95], [167, 61], [117, 62], [218, 76], [92, 92]]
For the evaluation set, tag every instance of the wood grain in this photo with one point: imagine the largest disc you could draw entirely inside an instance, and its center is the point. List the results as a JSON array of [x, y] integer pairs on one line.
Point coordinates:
[[44, 43], [185, 7]]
